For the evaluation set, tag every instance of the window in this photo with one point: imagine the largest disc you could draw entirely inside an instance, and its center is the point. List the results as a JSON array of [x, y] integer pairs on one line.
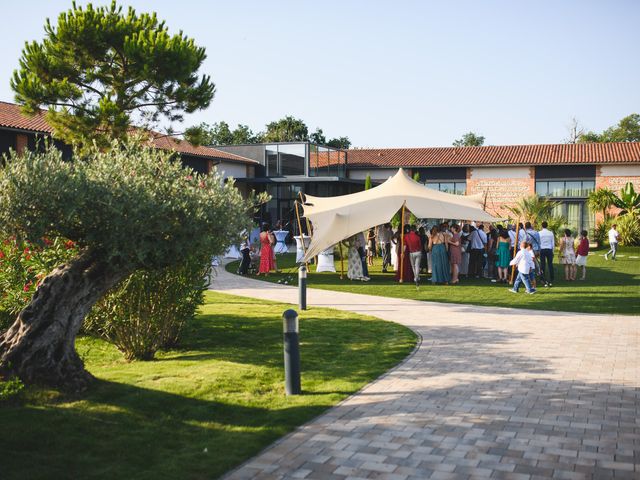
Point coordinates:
[[292, 159], [457, 188], [564, 188], [271, 157]]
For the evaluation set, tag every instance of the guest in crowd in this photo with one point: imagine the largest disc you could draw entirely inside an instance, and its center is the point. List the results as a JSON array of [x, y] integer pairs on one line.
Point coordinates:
[[362, 242], [440, 267], [413, 248], [533, 238], [503, 256], [582, 253], [492, 245], [371, 246], [614, 237], [547, 246], [464, 248], [533, 266], [455, 253], [384, 239], [267, 255], [354, 262], [567, 256], [476, 256], [404, 261], [523, 261], [424, 242], [245, 250]]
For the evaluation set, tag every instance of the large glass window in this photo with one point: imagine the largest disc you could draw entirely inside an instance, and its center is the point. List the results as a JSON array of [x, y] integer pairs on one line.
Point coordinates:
[[292, 159], [564, 188], [271, 157], [577, 214], [457, 188]]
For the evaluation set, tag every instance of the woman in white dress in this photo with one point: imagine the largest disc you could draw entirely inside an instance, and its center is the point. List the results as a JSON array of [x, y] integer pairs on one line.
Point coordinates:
[[354, 263], [568, 256]]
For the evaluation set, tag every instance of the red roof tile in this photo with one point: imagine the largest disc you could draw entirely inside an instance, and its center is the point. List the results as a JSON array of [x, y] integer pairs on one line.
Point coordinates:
[[12, 117], [556, 154]]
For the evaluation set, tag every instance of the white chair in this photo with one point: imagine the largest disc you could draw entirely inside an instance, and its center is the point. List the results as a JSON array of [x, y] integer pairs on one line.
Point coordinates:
[[325, 261], [280, 246], [233, 252], [299, 250]]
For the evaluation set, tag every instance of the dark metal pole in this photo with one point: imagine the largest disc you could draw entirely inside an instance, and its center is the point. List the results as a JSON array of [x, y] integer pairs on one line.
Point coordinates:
[[291, 353], [302, 287]]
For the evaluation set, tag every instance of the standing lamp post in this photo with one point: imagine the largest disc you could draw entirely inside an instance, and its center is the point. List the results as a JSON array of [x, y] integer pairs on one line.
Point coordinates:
[[291, 353], [302, 287]]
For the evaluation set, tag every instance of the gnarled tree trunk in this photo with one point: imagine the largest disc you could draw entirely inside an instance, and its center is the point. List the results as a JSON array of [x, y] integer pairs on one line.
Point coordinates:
[[40, 345]]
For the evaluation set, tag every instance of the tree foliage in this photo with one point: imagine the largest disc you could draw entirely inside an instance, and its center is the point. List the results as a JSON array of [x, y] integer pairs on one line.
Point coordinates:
[[536, 210], [287, 129], [100, 70], [628, 201], [469, 139], [221, 134], [627, 130], [600, 200], [130, 204], [340, 142], [367, 182], [318, 137]]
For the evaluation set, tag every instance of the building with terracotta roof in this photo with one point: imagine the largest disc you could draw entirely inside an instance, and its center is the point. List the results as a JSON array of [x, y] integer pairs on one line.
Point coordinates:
[[504, 174], [19, 131], [566, 173]]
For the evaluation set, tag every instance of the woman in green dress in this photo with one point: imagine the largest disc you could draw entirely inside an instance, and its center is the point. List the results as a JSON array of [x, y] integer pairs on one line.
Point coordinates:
[[440, 269], [503, 256]]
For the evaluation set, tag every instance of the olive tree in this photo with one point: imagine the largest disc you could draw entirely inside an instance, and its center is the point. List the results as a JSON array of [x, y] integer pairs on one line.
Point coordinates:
[[128, 207]]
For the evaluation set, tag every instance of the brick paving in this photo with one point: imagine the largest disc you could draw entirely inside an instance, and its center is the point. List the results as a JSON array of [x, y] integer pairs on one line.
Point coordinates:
[[490, 393]]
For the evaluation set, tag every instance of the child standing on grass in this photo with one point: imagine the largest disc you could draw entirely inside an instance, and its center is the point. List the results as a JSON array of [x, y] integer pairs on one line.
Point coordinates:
[[582, 252], [523, 260]]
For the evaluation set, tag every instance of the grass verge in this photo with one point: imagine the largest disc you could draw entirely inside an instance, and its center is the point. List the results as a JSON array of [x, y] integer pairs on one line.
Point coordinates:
[[611, 287], [197, 411]]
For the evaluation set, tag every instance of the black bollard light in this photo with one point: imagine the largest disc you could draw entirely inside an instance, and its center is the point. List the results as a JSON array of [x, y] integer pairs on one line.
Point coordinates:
[[302, 287], [291, 353]]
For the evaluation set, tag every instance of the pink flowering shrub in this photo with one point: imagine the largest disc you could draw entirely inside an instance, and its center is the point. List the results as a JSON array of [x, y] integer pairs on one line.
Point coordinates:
[[23, 265]]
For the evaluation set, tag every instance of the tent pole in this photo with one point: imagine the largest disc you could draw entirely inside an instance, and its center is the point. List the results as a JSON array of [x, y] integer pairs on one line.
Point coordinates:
[[308, 228], [515, 249], [304, 249], [402, 243], [341, 262]]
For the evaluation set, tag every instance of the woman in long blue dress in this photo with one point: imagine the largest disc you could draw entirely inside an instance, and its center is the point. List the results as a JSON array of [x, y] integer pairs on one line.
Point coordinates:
[[440, 269]]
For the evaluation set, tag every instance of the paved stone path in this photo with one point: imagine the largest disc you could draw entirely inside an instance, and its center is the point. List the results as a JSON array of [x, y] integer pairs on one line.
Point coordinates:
[[490, 393]]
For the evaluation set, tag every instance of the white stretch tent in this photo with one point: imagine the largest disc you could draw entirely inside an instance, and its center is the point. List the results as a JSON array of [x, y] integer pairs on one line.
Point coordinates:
[[337, 218]]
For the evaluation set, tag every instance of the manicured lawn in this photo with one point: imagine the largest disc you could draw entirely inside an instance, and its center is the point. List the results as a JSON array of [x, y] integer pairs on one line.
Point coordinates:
[[198, 411], [610, 287]]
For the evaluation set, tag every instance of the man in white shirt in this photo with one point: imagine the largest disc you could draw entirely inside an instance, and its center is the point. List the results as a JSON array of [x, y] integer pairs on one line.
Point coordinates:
[[523, 260], [614, 237], [547, 245], [476, 252]]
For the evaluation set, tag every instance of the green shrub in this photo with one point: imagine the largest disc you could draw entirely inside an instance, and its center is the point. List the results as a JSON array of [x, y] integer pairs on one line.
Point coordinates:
[[10, 389], [600, 232], [629, 229], [148, 311]]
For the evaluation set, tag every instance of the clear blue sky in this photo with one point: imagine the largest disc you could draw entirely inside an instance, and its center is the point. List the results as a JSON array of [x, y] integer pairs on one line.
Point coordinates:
[[399, 73]]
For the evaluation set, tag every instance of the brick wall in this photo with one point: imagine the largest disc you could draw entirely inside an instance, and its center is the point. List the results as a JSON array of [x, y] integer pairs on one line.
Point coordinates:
[[615, 183], [501, 189]]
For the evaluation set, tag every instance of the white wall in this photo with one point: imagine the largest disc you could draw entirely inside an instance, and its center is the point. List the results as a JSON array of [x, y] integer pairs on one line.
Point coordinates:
[[499, 172], [376, 173], [620, 171], [235, 170]]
